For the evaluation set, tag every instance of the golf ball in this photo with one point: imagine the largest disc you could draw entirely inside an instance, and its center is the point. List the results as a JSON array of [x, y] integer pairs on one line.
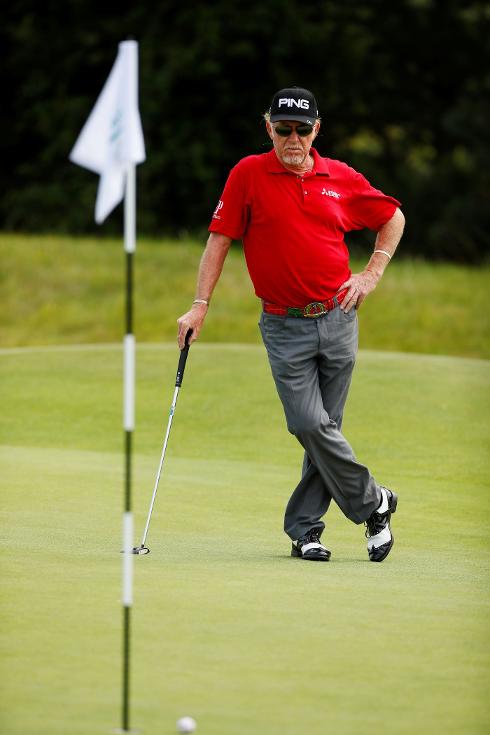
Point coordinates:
[[186, 724]]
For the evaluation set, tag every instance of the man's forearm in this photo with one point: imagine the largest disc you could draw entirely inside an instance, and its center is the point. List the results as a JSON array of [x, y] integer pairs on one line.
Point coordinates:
[[359, 285], [210, 269], [386, 244], [211, 265]]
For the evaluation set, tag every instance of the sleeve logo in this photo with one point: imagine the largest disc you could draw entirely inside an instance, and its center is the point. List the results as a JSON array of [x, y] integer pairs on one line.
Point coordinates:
[[219, 206]]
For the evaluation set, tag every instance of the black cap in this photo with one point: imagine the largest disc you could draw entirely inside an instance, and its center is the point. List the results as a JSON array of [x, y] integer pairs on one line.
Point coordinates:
[[294, 103]]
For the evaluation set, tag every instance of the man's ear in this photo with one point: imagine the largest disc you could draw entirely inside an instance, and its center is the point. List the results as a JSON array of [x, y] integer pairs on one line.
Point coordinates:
[[269, 128]]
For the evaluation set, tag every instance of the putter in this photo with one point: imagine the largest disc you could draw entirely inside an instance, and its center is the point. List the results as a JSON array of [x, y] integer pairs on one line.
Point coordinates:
[[143, 549]]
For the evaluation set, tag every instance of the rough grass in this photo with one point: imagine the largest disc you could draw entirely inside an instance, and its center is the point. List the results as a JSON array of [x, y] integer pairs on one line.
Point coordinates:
[[70, 290], [226, 626]]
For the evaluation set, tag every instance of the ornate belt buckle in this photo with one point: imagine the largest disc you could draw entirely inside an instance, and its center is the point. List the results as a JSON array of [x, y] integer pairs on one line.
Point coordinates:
[[315, 309]]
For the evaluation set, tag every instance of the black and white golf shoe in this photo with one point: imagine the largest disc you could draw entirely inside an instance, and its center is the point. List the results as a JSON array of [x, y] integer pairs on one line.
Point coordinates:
[[309, 547], [378, 531]]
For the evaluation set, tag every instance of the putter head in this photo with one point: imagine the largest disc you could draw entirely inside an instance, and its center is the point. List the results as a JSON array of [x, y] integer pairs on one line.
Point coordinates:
[[141, 550]]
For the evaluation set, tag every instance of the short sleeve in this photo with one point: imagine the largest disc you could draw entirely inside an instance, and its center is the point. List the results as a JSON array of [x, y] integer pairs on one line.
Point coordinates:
[[231, 215], [367, 206]]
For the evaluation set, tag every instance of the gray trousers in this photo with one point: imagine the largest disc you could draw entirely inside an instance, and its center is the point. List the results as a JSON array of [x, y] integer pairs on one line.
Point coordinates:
[[312, 362]]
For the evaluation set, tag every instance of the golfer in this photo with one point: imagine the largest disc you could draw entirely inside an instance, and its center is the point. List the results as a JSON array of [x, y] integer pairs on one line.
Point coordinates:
[[291, 208]]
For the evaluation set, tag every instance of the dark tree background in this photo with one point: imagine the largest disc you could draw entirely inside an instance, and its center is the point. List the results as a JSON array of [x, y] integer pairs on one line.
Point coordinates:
[[403, 90]]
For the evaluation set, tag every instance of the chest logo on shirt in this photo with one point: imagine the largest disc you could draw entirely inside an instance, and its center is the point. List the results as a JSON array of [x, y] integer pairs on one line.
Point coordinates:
[[330, 193], [219, 206]]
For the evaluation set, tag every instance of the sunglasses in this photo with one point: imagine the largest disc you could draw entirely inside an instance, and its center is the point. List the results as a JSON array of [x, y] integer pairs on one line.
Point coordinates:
[[284, 130]]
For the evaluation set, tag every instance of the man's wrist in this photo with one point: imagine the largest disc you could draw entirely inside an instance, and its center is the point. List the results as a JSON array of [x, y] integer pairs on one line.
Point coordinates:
[[201, 301], [373, 272]]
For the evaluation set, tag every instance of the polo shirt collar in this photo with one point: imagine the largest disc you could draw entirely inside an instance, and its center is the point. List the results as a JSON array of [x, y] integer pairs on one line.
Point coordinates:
[[320, 165]]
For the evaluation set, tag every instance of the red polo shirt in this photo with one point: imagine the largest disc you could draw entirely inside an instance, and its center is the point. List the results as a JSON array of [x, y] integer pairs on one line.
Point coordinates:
[[293, 226]]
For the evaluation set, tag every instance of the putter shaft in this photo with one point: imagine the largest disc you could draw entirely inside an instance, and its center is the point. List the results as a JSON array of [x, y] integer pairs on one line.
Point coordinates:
[[152, 503], [143, 549]]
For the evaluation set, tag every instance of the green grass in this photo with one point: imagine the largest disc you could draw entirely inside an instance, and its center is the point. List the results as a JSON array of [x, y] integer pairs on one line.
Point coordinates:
[[70, 290], [226, 627]]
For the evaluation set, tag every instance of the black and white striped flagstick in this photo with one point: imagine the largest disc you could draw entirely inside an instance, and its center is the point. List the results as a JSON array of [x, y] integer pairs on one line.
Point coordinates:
[[111, 136], [129, 413]]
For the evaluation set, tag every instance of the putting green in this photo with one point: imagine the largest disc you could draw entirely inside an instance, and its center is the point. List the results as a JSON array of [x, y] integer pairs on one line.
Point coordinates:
[[227, 627]]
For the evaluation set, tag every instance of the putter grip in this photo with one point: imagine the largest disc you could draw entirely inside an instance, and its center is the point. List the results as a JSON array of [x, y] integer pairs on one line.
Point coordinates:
[[182, 361]]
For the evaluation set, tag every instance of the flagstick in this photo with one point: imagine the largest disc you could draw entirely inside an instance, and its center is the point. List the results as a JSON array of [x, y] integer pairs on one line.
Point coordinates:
[[129, 392], [111, 137]]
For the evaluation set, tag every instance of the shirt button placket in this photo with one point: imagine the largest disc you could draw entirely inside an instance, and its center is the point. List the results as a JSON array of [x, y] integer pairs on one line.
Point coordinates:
[[305, 191]]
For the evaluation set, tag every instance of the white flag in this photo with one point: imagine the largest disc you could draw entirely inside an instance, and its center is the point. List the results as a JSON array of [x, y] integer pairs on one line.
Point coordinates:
[[112, 138]]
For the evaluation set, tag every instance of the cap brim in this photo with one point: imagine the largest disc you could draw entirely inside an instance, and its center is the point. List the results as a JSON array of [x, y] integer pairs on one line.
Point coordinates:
[[293, 118]]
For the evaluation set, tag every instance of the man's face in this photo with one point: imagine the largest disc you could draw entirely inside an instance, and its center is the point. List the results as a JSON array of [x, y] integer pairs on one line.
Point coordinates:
[[292, 149]]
